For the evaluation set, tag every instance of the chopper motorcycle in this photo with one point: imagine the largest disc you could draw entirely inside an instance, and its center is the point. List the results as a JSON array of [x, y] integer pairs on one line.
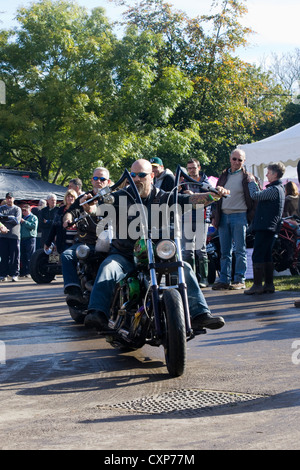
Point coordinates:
[[150, 305]]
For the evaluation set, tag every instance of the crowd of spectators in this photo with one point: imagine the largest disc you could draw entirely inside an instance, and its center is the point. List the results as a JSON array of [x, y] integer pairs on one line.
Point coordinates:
[[25, 227]]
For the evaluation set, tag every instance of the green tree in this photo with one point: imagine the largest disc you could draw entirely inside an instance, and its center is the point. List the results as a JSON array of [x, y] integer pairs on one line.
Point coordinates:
[[231, 98], [78, 97], [54, 70]]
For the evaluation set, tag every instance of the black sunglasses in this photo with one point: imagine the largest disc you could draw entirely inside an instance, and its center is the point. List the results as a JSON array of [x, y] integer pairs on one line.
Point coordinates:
[[101, 178], [140, 175], [235, 159]]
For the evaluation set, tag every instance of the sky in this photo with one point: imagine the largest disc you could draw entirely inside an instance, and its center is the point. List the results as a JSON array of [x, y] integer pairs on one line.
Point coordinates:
[[275, 22]]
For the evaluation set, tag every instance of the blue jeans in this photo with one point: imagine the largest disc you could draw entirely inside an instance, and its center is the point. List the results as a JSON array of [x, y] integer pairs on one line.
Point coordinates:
[[232, 229], [27, 247], [9, 257], [69, 265], [115, 268]]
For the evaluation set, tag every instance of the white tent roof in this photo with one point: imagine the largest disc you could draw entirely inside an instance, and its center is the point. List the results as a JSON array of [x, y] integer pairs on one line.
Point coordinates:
[[282, 147]]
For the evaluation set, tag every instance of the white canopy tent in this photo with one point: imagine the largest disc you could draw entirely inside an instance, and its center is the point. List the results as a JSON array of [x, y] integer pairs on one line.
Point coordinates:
[[282, 147]]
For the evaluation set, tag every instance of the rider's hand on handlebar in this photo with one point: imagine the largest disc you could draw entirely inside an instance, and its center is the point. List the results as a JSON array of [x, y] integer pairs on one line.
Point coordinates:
[[87, 207], [67, 221]]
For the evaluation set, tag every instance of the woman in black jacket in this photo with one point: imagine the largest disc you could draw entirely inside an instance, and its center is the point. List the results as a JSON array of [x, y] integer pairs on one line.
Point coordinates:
[[265, 225], [63, 237]]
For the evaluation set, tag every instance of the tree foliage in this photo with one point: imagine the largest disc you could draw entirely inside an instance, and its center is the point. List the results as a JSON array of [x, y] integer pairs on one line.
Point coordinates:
[[79, 97]]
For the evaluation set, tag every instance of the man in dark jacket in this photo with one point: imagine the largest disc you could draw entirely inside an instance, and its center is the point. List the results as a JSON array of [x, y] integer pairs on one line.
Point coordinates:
[[231, 217], [86, 233], [120, 260], [48, 214], [10, 217]]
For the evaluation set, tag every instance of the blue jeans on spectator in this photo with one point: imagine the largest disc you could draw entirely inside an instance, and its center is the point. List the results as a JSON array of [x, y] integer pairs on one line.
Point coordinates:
[[10, 257], [232, 229], [27, 249], [115, 268]]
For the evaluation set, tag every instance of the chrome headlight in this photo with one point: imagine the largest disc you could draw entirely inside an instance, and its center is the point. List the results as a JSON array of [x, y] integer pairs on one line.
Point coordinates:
[[82, 251], [166, 249]]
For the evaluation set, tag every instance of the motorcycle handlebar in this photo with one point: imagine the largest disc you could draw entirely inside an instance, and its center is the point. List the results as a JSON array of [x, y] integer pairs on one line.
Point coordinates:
[[206, 187], [106, 193]]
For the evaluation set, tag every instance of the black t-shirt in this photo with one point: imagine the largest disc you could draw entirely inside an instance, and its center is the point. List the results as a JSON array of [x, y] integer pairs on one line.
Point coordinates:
[[127, 227]]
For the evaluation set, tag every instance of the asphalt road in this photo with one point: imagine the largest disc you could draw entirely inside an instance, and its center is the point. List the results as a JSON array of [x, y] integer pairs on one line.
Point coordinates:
[[64, 387]]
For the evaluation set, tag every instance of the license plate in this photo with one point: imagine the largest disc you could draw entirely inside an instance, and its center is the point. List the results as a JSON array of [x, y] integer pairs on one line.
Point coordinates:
[[54, 258]]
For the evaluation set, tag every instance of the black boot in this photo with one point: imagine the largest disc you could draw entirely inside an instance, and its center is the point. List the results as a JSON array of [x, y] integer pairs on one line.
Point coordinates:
[[269, 273], [74, 295], [96, 319], [206, 320], [258, 273]]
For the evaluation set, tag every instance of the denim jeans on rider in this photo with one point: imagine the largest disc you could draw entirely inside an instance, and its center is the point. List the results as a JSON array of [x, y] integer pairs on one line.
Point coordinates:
[[69, 264], [115, 267], [232, 229]]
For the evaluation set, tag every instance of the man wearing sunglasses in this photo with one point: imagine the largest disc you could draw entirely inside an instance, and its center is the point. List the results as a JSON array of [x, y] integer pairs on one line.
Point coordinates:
[[231, 217], [119, 262], [86, 232]]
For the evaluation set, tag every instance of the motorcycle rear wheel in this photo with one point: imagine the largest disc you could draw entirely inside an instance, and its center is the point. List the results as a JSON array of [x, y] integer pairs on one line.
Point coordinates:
[[174, 332], [39, 268]]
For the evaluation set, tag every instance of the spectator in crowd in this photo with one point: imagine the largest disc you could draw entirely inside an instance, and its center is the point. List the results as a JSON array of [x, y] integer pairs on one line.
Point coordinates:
[[231, 217], [36, 210], [163, 178], [76, 185], [291, 199], [47, 216], [86, 233], [29, 225], [265, 225], [62, 236], [10, 217], [194, 251]]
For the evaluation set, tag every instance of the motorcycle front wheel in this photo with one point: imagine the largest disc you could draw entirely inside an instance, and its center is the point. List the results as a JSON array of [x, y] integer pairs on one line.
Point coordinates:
[[174, 332]]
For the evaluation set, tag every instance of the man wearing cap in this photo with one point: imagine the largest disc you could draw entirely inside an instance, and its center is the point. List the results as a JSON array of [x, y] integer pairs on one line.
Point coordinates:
[[163, 178], [10, 217]]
